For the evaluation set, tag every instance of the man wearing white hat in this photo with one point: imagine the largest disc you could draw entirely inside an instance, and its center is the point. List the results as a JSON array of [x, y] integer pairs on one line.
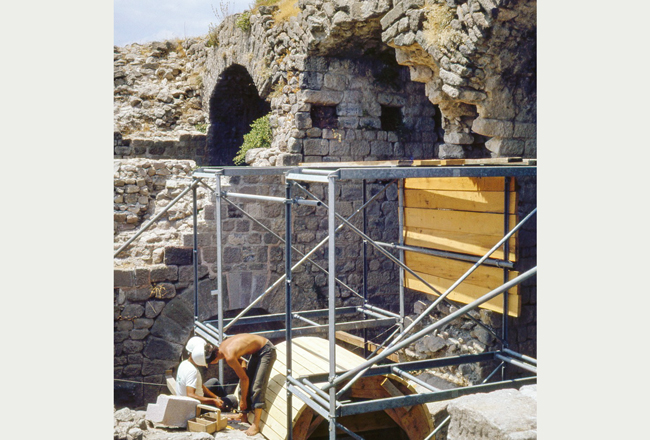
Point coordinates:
[[188, 377]]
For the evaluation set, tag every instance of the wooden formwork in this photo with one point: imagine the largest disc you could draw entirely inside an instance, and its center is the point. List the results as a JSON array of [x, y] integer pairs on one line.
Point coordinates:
[[310, 355], [463, 215]]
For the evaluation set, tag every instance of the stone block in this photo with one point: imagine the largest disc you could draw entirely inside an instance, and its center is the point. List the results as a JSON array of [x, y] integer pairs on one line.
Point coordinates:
[[510, 413], [172, 410], [156, 348], [328, 97], [459, 138], [392, 15], [524, 130], [316, 147], [164, 273], [142, 294], [153, 308], [505, 147], [123, 278], [451, 151], [132, 311], [303, 120], [287, 160], [335, 82], [179, 256], [493, 127]]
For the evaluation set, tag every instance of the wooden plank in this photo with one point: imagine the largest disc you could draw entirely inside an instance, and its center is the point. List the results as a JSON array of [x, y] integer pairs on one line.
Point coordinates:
[[393, 391], [447, 268], [512, 161], [463, 293], [302, 424], [479, 223], [483, 201], [361, 163], [358, 342], [459, 183], [315, 423], [360, 423], [462, 242]]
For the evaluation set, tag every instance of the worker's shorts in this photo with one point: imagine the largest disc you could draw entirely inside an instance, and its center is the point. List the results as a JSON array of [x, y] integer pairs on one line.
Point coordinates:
[[259, 370]]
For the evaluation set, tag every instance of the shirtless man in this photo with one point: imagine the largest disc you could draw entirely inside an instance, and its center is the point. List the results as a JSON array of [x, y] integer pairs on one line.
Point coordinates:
[[258, 370]]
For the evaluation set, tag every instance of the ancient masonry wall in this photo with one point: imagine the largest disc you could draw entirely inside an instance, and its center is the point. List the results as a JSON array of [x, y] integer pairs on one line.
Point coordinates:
[[153, 278], [462, 75]]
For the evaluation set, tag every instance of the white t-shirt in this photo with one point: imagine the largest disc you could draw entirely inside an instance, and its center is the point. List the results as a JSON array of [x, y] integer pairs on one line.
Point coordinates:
[[188, 376]]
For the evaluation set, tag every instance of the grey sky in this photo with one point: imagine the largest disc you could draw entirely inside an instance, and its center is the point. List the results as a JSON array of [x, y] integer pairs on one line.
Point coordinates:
[[139, 21]]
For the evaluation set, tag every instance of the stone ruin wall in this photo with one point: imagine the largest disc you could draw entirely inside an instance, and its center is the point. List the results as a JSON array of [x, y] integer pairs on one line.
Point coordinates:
[[154, 280], [480, 113]]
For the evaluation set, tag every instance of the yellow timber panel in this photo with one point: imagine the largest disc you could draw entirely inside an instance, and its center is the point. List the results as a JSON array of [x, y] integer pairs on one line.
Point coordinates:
[[479, 223], [464, 243], [459, 183], [310, 355], [447, 268], [463, 293], [475, 201]]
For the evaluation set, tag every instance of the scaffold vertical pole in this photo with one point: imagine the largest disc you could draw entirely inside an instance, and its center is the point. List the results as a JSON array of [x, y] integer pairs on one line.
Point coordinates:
[[195, 255], [506, 256], [331, 283], [365, 263], [287, 269], [400, 231], [219, 270]]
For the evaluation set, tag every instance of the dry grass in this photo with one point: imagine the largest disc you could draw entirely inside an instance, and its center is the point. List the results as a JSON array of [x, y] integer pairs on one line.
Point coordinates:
[[287, 9], [437, 26]]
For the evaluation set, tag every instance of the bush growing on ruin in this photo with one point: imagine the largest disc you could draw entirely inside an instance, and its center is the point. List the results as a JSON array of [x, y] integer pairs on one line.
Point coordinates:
[[260, 136], [243, 22]]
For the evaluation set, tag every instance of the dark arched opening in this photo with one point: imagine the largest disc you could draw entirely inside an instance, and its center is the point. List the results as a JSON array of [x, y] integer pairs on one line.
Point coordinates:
[[234, 105]]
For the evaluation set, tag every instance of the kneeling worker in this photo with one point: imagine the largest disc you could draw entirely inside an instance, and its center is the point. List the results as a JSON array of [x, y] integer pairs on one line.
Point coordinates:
[[258, 371], [188, 377]]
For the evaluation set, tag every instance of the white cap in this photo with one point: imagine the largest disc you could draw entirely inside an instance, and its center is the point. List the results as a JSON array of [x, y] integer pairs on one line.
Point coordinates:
[[198, 355], [193, 342]]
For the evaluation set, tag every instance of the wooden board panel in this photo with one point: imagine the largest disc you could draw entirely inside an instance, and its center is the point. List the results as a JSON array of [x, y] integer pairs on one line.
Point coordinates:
[[463, 293], [511, 161], [478, 223], [484, 201], [309, 355], [449, 269], [358, 342], [464, 243], [459, 183]]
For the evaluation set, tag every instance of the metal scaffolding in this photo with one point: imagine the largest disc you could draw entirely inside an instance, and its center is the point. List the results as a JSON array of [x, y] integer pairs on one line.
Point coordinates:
[[326, 394]]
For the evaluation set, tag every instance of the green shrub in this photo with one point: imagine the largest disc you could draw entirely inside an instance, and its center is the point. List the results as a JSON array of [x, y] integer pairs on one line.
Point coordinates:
[[244, 21], [260, 136]]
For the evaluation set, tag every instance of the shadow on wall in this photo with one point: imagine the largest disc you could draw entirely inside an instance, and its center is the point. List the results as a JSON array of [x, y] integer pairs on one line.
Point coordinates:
[[234, 105]]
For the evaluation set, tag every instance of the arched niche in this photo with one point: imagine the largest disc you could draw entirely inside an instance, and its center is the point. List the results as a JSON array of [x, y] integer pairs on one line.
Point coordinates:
[[234, 104]]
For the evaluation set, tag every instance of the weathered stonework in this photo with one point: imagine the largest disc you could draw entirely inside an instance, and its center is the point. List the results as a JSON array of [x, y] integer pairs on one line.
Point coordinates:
[[342, 81]]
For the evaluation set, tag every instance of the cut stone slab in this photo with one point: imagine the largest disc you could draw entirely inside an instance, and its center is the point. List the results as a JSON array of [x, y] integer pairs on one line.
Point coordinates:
[[500, 415], [172, 410]]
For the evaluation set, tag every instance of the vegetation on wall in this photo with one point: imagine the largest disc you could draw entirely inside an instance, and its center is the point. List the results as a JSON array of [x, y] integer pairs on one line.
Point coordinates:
[[243, 22], [437, 26], [259, 136]]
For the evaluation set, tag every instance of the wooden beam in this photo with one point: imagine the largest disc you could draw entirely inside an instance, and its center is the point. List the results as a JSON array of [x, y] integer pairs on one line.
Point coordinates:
[[393, 391], [462, 242], [301, 426], [459, 183], [450, 269], [358, 342], [478, 223], [483, 201], [463, 293]]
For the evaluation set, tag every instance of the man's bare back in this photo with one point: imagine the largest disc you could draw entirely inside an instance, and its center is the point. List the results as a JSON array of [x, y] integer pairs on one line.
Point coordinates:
[[244, 344]]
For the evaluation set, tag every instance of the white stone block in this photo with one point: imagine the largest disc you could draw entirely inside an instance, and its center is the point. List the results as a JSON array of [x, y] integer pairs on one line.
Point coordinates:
[[172, 410]]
